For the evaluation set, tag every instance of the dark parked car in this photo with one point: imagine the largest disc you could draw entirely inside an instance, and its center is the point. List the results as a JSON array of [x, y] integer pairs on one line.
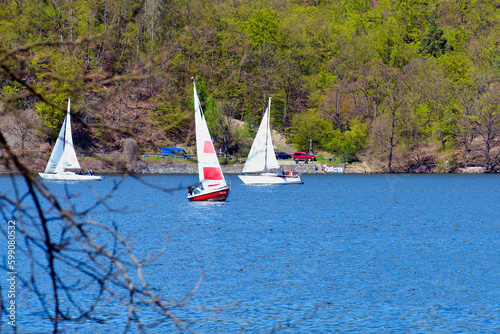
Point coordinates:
[[174, 152], [283, 155]]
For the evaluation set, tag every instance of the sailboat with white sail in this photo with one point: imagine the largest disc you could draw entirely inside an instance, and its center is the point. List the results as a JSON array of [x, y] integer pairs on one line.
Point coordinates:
[[63, 157], [262, 160], [212, 184]]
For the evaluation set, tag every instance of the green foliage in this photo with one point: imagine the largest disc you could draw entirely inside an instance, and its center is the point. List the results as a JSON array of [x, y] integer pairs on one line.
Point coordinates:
[[57, 81], [493, 59], [201, 89], [433, 42], [458, 67], [444, 128], [422, 118], [320, 84], [351, 142], [245, 134], [357, 6], [52, 117], [310, 126], [296, 51], [215, 121], [389, 43], [101, 133], [410, 16], [251, 126], [169, 114], [11, 91], [263, 27]]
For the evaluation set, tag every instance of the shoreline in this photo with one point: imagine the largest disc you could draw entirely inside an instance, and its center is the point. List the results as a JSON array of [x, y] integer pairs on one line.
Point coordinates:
[[229, 169], [152, 169]]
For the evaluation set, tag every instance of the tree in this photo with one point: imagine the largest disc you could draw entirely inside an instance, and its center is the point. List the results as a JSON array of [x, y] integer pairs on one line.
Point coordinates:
[[486, 124], [310, 126], [432, 100], [17, 119], [391, 127], [220, 120], [372, 81], [263, 27], [20, 126], [433, 42], [350, 142], [467, 99]]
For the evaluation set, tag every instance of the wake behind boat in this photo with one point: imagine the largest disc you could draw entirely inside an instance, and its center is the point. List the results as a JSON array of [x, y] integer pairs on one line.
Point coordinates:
[[63, 157], [262, 159], [212, 186]]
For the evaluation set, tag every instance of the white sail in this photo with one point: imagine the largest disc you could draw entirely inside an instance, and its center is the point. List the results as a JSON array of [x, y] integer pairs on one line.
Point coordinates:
[[209, 171], [262, 157], [63, 156], [58, 150]]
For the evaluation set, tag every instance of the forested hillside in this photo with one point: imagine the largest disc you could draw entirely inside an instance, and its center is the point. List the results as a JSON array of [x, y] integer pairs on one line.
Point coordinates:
[[406, 85]]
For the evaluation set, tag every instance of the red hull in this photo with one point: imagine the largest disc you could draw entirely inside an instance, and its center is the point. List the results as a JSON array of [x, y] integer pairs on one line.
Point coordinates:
[[218, 195]]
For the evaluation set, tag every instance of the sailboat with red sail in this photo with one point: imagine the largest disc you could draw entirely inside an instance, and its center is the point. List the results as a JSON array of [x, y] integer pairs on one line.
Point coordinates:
[[212, 185]]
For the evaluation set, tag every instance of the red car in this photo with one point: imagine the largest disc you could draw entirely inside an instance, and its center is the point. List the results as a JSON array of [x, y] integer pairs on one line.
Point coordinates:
[[303, 156]]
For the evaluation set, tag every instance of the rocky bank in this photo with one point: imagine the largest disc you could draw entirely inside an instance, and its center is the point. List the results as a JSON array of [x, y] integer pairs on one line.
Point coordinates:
[[226, 169]]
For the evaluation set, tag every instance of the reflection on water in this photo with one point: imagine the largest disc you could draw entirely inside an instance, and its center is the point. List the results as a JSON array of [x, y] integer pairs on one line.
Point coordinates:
[[378, 253]]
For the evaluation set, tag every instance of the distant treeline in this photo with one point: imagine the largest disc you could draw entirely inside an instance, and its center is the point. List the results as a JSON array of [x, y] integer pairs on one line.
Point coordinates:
[[398, 83]]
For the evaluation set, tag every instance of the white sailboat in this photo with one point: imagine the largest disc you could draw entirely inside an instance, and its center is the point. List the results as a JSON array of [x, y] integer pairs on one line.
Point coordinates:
[[63, 157], [212, 184], [262, 159]]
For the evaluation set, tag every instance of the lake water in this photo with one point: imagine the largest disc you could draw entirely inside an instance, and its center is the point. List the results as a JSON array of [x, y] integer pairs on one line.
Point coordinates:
[[340, 253]]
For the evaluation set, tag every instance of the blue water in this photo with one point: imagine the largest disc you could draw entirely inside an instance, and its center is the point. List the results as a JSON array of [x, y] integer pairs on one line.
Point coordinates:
[[340, 253]]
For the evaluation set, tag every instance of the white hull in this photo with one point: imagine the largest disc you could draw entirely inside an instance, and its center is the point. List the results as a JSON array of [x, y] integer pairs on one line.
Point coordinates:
[[69, 176], [270, 178]]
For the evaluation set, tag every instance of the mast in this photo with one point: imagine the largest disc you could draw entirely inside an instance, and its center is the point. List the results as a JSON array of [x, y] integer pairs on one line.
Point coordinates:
[[65, 132], [268, 112]]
